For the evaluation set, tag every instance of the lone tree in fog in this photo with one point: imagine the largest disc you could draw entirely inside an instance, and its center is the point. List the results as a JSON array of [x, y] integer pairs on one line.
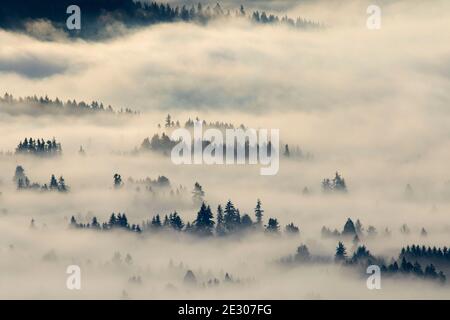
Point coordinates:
[[198, 194], [190, 279], [19, 174], [168, 123], [287, 153], [341, 253], [337, 184], [53, 183], [117, 181], [303, 254], [259, 213], [349, 228]]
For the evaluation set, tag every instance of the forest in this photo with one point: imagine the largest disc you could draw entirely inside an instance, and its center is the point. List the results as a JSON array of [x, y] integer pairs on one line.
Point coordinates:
[[98, 13], [163, 143]]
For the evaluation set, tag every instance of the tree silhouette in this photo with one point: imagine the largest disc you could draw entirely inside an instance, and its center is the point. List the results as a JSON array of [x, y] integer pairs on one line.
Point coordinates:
[[349, 228], [272, 226], [341, 253], [259, 213], [204, 223], [117, 181]]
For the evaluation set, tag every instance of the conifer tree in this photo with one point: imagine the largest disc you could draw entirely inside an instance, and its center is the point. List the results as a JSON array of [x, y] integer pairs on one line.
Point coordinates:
[[259, 212], [341, 253], [204, 223]]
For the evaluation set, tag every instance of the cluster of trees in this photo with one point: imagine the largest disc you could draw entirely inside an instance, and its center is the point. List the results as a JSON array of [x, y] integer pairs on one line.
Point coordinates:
[[301, 23], [36, 105], [158, 143], [337, 184], [164, 144], [363, 258], [296, 152], [158, 186], [352, 230], [115, 222], [404, 267], [39, 147], [357, 231], [24, 183], [98, 13], [160, 182], [216, 125], [170, 123], [228, 221], [414, 252]]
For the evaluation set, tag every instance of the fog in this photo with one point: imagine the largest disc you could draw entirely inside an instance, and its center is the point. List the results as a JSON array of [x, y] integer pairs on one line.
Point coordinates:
[[372, 105]]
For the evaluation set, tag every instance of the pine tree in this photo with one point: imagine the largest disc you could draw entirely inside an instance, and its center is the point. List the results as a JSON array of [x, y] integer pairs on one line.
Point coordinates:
[[53, 183], [204, 223], [302, 254], [19, 174], [287, 153], [95, 224], [156, 222], [272, 226], [220, 226], [117, 181], [62, 185], [349, 228], [168, 121], [231, 217], [112, 221], [73, 222], [176, 222], [341, 253], [292, 229], [246, 221], [259, 213], [339, 183]]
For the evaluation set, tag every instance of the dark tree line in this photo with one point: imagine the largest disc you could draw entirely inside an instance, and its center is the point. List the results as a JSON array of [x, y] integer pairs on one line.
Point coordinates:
[[301, 23], [363, 258], [416, 252], [228, 221], [99, 13], [119, 221], [45, 105], [39, 147]]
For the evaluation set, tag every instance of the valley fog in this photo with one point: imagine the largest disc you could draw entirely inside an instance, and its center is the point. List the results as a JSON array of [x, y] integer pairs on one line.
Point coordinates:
[[372, 106]]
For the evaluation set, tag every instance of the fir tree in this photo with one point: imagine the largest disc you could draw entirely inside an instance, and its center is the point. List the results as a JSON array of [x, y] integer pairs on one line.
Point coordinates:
[[272, 226], [259, 213], [341, 253], [204, 223]]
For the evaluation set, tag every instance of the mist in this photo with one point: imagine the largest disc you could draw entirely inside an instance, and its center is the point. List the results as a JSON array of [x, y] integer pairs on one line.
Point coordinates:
[[371, 105]]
